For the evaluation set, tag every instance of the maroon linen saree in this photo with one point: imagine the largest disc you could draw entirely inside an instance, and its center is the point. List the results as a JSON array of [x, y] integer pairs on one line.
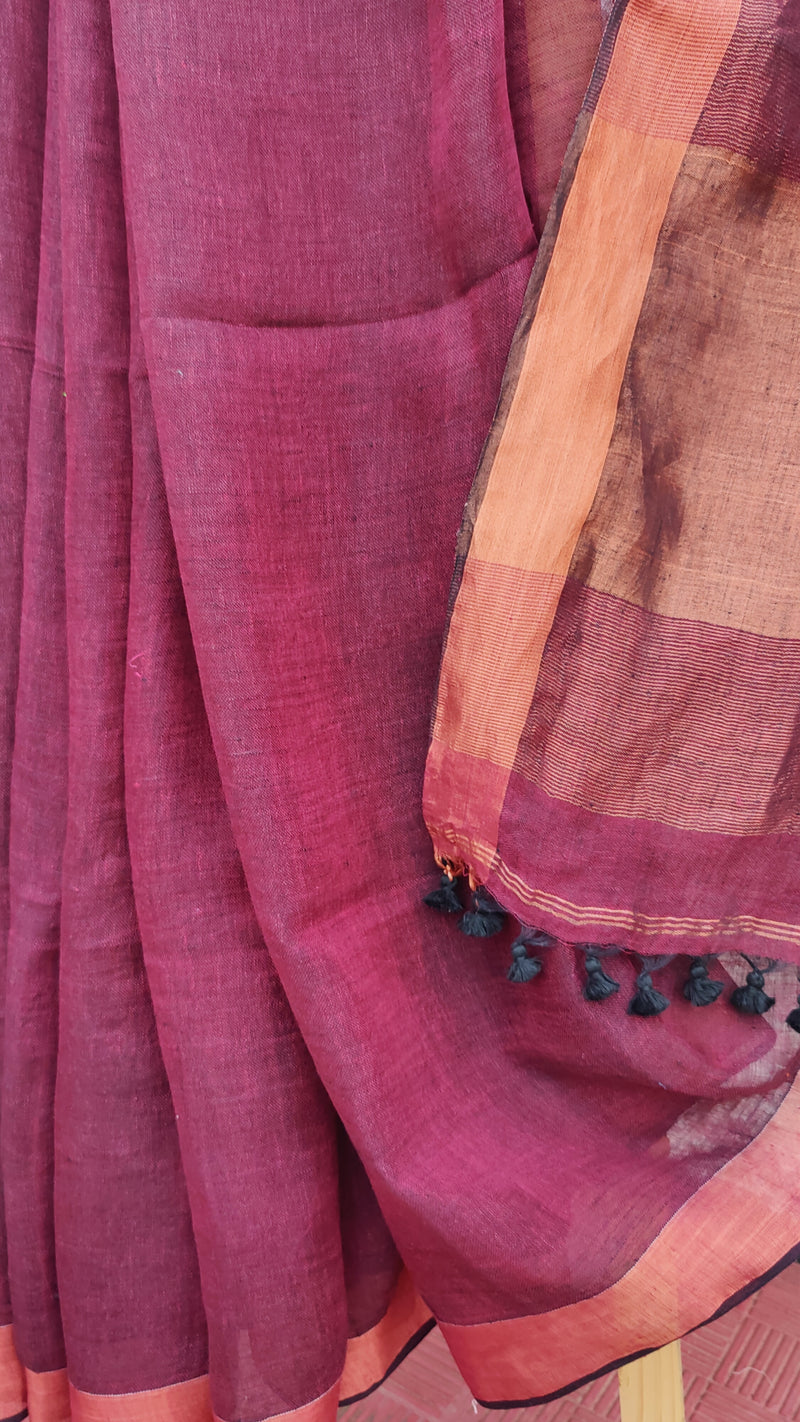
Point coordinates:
[[264, 1115]]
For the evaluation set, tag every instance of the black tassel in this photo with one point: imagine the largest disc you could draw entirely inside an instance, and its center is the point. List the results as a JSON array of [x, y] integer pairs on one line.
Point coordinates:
[[701, 990], [524, 968], [647, 1001], [598, 985], [793, 1020], [751, 998], [485, 918], [445, 899]]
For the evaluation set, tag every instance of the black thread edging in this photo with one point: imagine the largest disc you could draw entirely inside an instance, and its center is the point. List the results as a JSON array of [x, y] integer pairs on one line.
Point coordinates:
[[18, 1416], [793, 1257], [401, 1357]]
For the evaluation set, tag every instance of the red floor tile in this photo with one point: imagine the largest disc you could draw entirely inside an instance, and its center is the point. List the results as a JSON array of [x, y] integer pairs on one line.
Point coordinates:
[[743, 1368]]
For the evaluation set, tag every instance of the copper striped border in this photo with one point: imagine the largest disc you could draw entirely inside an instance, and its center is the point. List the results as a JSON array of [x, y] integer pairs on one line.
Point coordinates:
[[549, 456], [669, 925], [603, 915], [498, 877], [686, 1275]]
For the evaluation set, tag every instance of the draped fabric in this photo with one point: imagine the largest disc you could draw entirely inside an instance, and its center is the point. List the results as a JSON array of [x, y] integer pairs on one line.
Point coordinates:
[[616, 741], [265, 1116]]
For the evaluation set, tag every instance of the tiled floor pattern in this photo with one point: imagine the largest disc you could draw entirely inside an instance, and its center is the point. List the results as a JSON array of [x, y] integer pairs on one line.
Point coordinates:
[[744, 1368]]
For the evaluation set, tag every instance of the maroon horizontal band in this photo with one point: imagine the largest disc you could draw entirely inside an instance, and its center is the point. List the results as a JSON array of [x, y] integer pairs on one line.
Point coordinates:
[[642, 884]]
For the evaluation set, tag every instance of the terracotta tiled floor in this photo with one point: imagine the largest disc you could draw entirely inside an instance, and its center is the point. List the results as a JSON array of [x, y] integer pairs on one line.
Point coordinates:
[[744, 1368]]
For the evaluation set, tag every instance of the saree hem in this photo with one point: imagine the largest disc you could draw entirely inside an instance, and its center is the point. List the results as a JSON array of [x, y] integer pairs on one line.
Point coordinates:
[[372, 1355], [792, 1258], [731, 1230], [405, 1351], [370, 1358]]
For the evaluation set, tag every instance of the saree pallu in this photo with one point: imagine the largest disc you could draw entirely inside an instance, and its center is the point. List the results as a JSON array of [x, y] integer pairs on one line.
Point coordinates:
[[263, 1118]]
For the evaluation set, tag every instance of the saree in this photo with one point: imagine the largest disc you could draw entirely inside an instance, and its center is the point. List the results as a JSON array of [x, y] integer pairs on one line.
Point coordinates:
[[266, 1116]]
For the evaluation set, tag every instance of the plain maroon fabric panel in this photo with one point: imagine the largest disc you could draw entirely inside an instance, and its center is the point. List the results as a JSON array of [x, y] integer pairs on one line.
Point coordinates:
[[38, 817], [23, 86], [372, 1264], [550, 50], [127, 1270], [346, 157]]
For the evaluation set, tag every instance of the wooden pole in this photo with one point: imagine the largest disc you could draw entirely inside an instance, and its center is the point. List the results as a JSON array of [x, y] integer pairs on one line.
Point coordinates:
[[651, 1389]]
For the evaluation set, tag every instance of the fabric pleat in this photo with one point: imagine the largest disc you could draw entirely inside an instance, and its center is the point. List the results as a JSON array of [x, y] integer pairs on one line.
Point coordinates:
[[38, 813], [23, 36], [120, 1191]]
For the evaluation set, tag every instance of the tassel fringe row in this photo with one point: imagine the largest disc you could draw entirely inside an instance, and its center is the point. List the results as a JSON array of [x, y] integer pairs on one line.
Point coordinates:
[[484, 918]]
